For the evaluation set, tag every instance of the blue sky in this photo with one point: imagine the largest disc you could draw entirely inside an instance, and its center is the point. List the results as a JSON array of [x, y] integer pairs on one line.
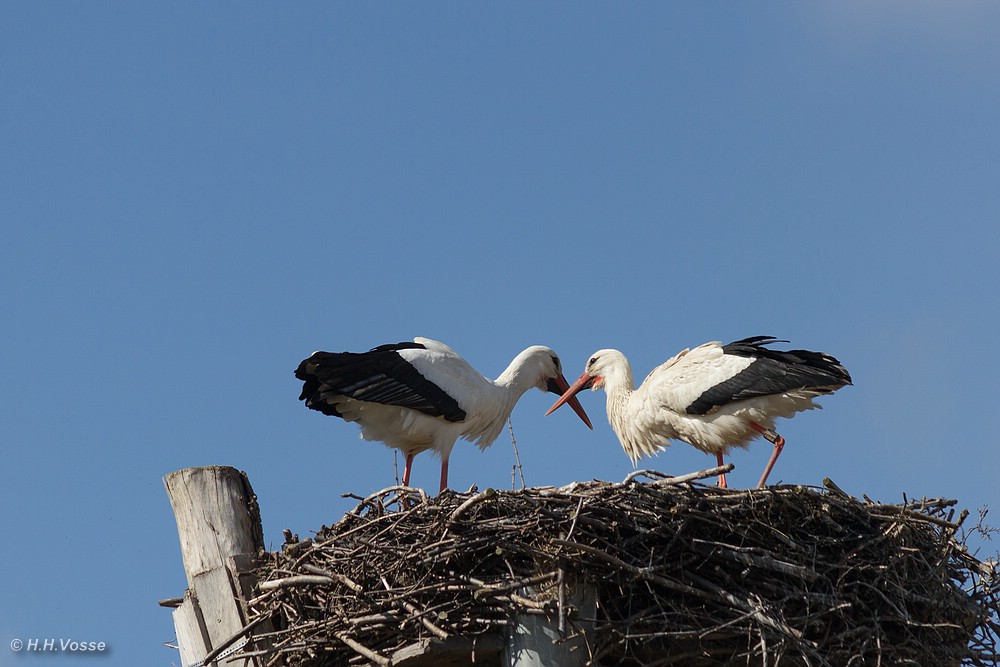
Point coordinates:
[[196, 196]]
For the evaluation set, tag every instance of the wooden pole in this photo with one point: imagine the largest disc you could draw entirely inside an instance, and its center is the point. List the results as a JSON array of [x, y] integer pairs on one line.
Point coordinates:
[[218, 523]]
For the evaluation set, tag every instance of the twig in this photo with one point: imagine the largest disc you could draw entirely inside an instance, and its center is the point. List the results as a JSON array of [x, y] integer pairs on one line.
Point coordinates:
[[517, 456], [298, 580], [572, 525], [832, 486], [668, 480], [416, 613], [510, 585], [402, 492], [739, 554], [461, 509], [334, 575], [363, 650]]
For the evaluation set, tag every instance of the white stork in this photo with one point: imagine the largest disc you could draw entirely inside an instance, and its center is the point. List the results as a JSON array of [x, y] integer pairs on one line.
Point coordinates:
[[714, 397], [423, 395]]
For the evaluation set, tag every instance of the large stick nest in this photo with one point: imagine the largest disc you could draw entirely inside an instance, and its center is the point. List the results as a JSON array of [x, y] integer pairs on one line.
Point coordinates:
[[684, 574]]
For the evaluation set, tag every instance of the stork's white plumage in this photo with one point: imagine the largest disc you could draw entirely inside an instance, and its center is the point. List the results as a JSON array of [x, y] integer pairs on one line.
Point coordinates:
[[714, 396], [423, 395]]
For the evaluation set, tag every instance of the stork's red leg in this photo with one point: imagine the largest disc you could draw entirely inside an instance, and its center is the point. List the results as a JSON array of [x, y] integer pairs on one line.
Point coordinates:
[[779, 444], [406, 469], [722, 477], [444, 474]]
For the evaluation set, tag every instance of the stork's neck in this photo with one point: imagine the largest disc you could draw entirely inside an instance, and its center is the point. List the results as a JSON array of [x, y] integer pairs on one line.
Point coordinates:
[[623, 413], [497, 403], [520, 376], [619, 386], [515, 380]]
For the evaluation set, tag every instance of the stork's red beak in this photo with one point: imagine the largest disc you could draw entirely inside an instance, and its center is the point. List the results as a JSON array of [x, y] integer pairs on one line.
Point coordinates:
[[569, 396], [560, 385]]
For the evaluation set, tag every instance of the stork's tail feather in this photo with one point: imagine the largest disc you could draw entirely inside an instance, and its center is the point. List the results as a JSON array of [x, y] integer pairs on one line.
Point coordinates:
[[823, 370], [313, 387]]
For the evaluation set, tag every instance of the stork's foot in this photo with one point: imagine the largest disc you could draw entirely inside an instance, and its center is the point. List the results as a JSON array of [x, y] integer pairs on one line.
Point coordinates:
[[779, 444]]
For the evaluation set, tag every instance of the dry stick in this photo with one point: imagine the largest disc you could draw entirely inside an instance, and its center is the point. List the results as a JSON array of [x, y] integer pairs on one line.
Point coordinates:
[[915, 514], [929, 503], [342, 578], [461, 509], [297, 580], [525, 602], [417, 614], [385, 492], [645, 473], [390, 617], [394, 516], [572, 525], [363, 650], [742, 555], [517, 457], [510, 585], [452, 550], [667, 480]]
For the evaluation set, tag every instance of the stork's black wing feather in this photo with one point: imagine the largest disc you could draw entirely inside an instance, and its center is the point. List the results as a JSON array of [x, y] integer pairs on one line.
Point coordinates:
[[772, 372], [380, 375]]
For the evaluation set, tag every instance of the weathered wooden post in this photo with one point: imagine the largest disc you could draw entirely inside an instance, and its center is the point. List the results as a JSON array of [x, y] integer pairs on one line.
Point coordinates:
[[218, 523]]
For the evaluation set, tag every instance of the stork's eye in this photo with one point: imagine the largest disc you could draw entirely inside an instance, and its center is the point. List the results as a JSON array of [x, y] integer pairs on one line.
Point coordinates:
[[593, 360], [555, 361]]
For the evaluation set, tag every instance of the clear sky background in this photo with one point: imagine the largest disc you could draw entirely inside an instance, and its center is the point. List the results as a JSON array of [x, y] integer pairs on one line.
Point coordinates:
[[196, 196]]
